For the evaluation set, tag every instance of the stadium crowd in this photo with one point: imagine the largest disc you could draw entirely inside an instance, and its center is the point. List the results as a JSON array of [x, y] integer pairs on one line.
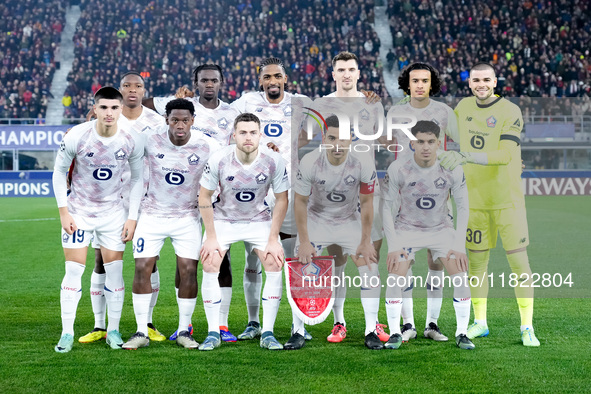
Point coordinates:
[[29, 55]]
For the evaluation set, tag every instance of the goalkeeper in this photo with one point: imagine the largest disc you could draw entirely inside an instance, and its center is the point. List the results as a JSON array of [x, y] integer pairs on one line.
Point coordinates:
[[490, 130]]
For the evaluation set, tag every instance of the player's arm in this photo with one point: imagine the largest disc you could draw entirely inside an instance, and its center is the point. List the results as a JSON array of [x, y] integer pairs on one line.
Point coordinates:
[[149, 103], [459, 192], [136, 165], [391, 205], [365, 248], [452, 130], [305, 251], [62, 164], [211, 245], [274, 247]]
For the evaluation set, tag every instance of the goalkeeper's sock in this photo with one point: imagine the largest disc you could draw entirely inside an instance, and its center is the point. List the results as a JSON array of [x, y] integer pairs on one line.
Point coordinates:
[[524, 292], [478, 263]]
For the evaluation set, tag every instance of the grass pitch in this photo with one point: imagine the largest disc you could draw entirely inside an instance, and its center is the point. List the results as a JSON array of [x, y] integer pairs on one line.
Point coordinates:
[[32, 269]]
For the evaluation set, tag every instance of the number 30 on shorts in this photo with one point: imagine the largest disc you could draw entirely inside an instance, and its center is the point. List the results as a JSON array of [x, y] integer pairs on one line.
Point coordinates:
[[473, 236]]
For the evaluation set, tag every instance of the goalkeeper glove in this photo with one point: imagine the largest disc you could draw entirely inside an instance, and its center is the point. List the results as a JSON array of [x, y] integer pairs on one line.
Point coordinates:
[[451, 159]]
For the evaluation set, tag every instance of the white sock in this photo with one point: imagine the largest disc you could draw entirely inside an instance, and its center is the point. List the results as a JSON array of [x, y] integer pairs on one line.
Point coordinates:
[[461, 301], [212, 298], [141, 308], [155, 282], [298, 324], [114, 292], [370, 295], [271, 298], [97, 299], [340, 293], [407, 302], [225, 305], [434, 296], [253, 283], [70, 293], [186, 309], [394, 302], [288, 247]]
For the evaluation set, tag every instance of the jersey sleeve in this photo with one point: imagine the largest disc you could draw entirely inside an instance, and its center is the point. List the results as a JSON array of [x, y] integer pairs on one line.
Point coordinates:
[[63, 161], [368, 176], [280, 180], [512, 125], [459, 192], [160, 104], [240, 104], [211, 178], [303, 183], [390, 188]]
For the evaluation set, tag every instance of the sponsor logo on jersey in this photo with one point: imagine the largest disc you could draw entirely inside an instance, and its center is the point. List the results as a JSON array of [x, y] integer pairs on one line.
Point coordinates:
[[230, 178], [193, 159], [349, 180], [222, 123], [491, 122], [261, 178], [160, 156], [120, 154], [90, 154], [440, 183]]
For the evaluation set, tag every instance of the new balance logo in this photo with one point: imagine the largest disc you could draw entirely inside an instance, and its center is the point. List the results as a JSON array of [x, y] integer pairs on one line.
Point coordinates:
[[160, 156], [468, 118], [90, 154], [522, 240], [412, 184], [321, 182], [230, 178]]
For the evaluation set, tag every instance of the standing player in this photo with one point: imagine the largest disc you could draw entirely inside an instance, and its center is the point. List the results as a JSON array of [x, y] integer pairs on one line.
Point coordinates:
[[273, 106], [329, 185], [215, 119], [419, 81], [349, 100], [101, 149], [490, 131], [176, 158], [244, 173], [138, 118], [415, 194]]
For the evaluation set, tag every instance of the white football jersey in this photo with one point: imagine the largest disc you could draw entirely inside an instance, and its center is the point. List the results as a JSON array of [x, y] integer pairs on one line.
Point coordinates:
[[175, 172], [437, 112], [276, 122], [96, 185], [243, 187], [217, 123], [334, 190], [422, 193]]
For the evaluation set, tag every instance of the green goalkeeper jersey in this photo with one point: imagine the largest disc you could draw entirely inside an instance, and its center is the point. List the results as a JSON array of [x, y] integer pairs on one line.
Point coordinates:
[[495, 129]]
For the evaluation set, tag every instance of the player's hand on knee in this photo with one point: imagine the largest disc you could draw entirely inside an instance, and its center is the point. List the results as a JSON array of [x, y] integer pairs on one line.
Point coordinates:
[[305, 253], [451, 159], [68, 223], [273, 147], [209, 249], [184, 92], [128, 230], [368, 252], [394, 259], [461, 259], [274, 249]]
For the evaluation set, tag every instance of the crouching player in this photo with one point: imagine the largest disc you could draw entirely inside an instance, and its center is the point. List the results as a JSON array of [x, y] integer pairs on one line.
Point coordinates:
[[176, 158], [329, 184], [416, 217], [244, 172]]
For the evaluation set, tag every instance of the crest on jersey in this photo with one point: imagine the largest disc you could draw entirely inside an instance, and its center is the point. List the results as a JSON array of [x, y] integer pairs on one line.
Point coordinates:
[[309, 288], [491, 122], [287, 110], [349, 180], [261, 178], [364, 114], [120, 154], [223, 123], [440, 183], [65, 237], [193, 159]]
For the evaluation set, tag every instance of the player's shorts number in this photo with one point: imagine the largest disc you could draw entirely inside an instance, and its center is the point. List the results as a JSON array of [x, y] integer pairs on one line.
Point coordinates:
[[473, 236], [273, 130], [139, 246], [102, 174], [174, 178], [245, 196], [425, 203], [78, 236], [477, 142], [336, 197]]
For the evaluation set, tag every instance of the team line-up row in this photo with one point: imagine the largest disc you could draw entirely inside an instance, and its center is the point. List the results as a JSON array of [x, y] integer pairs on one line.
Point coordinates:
[[335, 203]]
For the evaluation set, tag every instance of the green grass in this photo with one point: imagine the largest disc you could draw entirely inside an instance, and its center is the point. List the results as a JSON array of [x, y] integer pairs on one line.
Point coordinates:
[[32, 268]]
